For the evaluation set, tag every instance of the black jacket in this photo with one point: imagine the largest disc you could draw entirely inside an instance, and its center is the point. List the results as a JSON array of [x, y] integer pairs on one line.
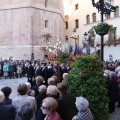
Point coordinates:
[[7, 112]]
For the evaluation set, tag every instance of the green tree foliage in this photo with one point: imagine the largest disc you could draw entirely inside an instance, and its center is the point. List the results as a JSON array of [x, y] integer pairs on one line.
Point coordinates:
[[86, 79]]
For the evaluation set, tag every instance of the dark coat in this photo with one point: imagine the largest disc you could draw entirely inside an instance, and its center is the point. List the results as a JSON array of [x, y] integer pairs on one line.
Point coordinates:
[[7, 112], [45, 74], [112, 87], [39, 100], [67, 109], [30, 71], [38, 72], [8, 101]]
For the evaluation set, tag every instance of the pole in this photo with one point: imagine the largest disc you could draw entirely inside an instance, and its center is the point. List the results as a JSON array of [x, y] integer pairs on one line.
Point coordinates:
[[102, 37]]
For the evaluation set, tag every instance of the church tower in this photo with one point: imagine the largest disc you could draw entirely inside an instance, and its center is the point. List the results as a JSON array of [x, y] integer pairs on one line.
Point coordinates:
[[27, 26]]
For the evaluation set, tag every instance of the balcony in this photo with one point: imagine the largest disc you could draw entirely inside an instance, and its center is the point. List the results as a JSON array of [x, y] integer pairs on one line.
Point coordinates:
[[111, 41]]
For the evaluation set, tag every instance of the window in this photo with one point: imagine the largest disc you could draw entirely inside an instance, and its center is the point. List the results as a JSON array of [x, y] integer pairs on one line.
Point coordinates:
[[112, 35], [77, 23], [46, 3], [117, 11], [88, 19], [76, 6], [46, 23], [66, 24], [94, 17]]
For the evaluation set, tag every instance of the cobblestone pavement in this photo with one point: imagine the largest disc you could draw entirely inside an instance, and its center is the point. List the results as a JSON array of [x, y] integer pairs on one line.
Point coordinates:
[[14, 82]]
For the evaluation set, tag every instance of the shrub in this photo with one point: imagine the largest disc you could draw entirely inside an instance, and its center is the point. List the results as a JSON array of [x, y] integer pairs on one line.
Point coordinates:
[[86, 79]]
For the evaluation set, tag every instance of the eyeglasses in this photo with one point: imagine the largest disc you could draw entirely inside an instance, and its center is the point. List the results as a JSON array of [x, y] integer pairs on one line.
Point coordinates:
[[42, 107]]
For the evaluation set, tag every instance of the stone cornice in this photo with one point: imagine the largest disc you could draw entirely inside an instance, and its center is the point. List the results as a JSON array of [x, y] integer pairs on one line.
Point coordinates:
[[28, 6]]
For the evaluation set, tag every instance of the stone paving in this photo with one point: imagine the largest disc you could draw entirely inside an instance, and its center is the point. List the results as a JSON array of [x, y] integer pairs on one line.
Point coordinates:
[[14, 82]]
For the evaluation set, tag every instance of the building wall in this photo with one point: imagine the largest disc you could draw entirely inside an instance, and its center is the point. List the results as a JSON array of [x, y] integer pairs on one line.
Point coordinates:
[[23, 29], [85, 8]]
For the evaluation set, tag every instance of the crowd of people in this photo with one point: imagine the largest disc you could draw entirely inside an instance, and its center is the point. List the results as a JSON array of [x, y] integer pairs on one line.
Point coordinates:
[[112, 75], [44, 96]]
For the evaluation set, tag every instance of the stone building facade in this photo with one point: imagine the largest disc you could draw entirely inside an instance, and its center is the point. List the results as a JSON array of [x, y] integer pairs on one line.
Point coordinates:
[[26, 26]]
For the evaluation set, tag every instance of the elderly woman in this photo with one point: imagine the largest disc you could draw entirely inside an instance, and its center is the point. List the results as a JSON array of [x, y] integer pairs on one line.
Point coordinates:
[[29, 91], [52, 91], [49, 107], [84, 112], [42, 95], [39, 81], [67, 109], [51, 81]]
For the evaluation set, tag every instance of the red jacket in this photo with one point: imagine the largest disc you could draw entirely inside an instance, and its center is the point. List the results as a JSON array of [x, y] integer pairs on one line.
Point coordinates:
[[53, 116]]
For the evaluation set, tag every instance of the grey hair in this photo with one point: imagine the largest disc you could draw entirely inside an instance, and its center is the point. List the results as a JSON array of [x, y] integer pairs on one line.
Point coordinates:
[[28, 85], [81, 103], [118, 75], [112, 74], [116, 71], [2, 97]]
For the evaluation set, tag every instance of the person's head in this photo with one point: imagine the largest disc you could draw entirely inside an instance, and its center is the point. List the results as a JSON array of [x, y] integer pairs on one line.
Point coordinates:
[[62, 87], [65, 75], [42, 89], [7, 91], [22, 89], [55, 68], [112, 74], [51, 81], [49, 105], [28, 85], [81, 103], [25, 112], [39, 80], [2, 97], [62, 65], [31, 93], [52, 90], [37, 64], [55, 78]]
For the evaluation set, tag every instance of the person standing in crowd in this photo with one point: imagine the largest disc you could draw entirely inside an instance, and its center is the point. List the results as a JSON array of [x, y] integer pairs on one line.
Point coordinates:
[[5, 70], [63, 70], [22, 99], [49, 107], [7, 91], [112, 86], [50, 70], [45, 73], [67, 108], [19, 71], [68, 67], [11, 70], [38, 70], [84, 112], [7, 112], [30, 73]]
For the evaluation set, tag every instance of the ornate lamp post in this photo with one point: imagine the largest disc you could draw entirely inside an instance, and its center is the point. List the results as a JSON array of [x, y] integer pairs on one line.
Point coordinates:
[[103, 8]]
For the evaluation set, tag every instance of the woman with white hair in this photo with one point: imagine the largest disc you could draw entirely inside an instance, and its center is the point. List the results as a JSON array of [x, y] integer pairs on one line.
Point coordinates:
[[84, 113]]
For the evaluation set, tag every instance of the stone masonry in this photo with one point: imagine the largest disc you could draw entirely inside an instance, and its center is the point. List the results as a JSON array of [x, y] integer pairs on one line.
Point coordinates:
[[26, 26]]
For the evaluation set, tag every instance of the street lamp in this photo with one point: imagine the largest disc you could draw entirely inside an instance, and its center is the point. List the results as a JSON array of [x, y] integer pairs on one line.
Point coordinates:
[[103, 8]]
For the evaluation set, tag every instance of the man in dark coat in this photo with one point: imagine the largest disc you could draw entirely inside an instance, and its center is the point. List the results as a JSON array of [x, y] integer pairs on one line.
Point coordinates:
[[7, 112], [63, 70], [38, 70], [45, 72], [30, 73]]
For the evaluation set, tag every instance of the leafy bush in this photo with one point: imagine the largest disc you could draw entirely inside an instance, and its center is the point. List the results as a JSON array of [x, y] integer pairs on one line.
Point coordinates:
[[86, 79]]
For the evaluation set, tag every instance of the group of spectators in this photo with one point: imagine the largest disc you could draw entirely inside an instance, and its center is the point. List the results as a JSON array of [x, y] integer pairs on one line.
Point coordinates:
[[43, 101], [112, 75]]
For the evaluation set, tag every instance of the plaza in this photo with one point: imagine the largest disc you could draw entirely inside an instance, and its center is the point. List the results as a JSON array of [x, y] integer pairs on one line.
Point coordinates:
[[44, 38], [13, 83]]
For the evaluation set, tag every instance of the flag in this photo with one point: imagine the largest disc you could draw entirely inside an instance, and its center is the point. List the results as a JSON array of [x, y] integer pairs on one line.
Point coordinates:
[[77, 50], [70, 49], [88, 49]]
